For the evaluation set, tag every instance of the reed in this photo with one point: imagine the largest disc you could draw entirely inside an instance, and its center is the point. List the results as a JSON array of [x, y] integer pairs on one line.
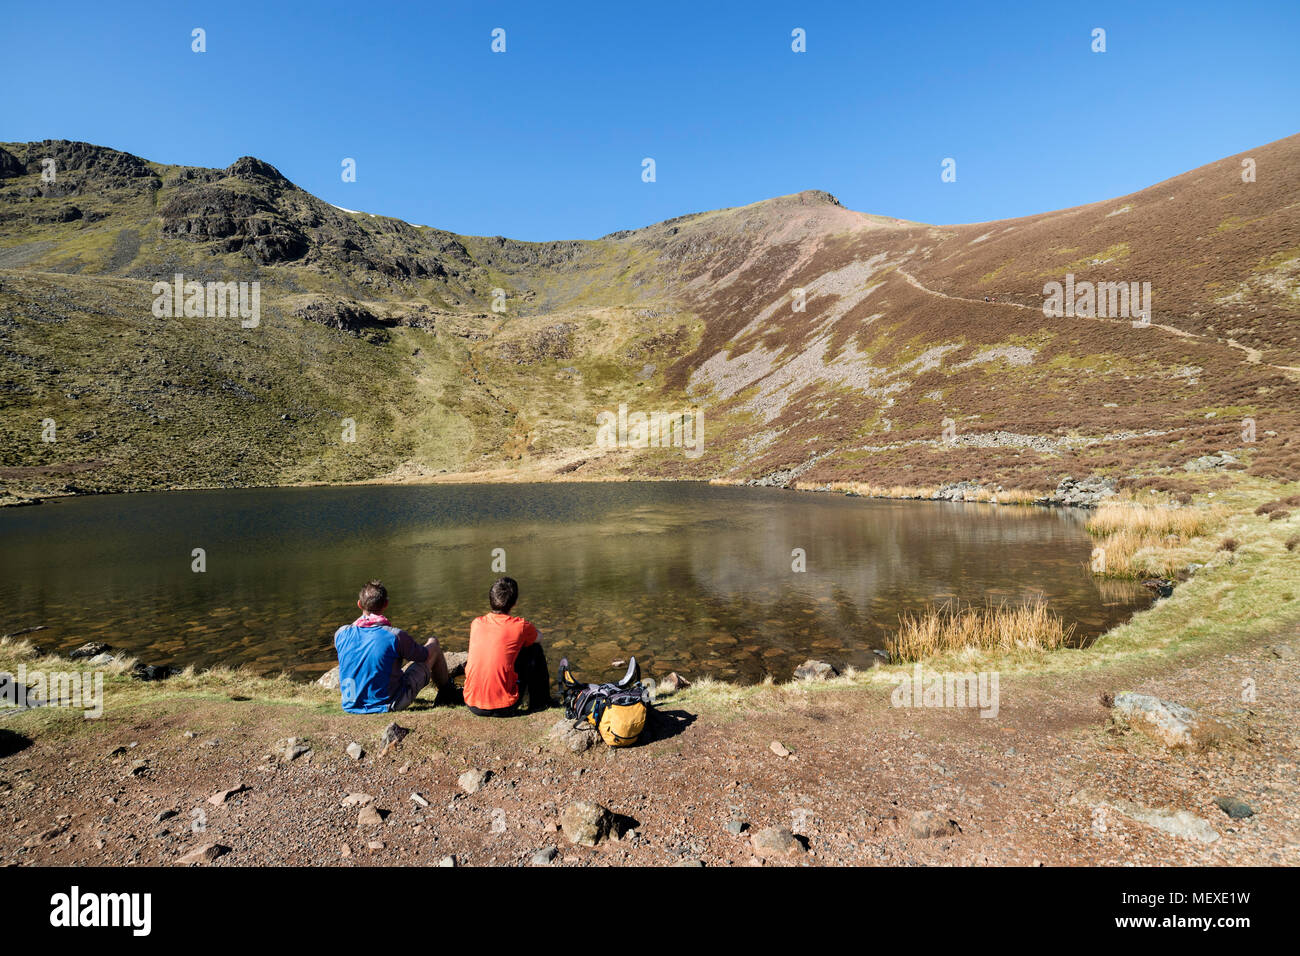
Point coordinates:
[[1000, 628], [1147, 540]]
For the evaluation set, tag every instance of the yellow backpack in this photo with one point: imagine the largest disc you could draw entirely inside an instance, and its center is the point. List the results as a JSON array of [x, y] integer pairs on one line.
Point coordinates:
[[618, 711]]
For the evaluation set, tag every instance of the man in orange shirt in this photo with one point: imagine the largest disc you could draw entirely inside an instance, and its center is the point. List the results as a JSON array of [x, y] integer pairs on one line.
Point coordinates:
[[506, 663]]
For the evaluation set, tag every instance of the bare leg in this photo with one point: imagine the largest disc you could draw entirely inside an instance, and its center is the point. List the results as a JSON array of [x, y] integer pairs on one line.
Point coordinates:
[[437, 663]]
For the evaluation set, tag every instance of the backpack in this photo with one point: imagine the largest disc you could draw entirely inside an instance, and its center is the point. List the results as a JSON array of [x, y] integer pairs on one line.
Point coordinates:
[[618, 711]]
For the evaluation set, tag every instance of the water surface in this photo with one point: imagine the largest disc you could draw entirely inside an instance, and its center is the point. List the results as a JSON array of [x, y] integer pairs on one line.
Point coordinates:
[[686, 576]]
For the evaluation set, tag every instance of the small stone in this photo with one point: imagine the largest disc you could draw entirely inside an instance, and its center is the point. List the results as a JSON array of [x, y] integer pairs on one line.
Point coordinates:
[[815, 670], [673, 683], [779, 749], [375, 845], [356, 751], [404, 767], [1234, 808], [291, 748], [221, 796], [926, 824], [165, 815], [1283, 652], [90, 649], [688, 861], [586, 823], [544, 856], [471, 781], [329, 680], [776, 842], [393, 734], [418, 800], [357, 799], [189, 735], [447, 861], [736, 827], [203, 854], [346, 851], [572, 736], [369, 817]]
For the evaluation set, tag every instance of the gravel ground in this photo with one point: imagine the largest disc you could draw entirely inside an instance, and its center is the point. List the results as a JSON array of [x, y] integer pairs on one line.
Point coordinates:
[[861, 783]]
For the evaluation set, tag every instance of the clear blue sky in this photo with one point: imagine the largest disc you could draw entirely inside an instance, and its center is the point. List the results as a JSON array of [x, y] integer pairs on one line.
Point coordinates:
[[546, 140]]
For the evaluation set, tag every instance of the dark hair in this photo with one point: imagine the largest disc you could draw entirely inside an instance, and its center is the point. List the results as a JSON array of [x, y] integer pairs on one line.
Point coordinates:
[[374, 596], [503, 595]]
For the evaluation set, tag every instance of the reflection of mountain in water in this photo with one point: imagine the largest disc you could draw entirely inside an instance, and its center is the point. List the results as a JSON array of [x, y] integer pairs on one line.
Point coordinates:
[[689, 576]]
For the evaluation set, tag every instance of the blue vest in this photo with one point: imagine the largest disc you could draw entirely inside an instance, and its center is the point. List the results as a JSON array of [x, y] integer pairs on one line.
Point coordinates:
[[366, 659]]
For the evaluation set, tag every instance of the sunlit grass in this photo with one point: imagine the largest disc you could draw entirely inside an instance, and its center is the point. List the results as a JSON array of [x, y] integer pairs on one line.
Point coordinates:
[[990, 628]]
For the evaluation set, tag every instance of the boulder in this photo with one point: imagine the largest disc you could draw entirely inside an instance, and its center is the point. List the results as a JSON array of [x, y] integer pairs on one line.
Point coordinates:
[[586, 823], [1173, 725], [90, 649], [1083, 493]]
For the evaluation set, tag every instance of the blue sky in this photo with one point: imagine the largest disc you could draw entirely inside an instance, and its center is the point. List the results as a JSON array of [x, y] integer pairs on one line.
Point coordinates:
[[546, 140]]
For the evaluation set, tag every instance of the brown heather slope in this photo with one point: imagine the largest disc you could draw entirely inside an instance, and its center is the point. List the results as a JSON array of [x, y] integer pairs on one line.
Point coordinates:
[[896, 341]]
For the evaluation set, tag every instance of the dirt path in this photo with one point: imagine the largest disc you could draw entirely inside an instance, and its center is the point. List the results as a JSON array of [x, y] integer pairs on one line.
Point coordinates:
[[1253, 356], [858, 769]]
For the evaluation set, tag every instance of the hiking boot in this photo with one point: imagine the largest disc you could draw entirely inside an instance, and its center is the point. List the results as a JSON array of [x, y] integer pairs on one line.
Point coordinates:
[[449, 696]]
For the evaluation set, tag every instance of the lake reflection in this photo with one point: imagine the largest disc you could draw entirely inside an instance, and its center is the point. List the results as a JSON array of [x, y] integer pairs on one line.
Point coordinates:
[[686, 576]]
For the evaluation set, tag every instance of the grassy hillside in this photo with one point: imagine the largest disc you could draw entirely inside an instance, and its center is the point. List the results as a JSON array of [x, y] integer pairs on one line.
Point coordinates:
[[921, 354]]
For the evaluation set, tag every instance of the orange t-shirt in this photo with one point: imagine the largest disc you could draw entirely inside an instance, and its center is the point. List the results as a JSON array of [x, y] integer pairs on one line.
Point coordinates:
[[495, 641]]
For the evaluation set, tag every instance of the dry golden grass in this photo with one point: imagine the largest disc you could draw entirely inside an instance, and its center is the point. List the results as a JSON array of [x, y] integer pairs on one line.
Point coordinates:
[[1147, 540], [1153, 521], [1002, 628]]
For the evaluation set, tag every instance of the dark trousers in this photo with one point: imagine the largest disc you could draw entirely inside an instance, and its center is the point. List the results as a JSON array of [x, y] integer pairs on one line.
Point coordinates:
[[534, 684]]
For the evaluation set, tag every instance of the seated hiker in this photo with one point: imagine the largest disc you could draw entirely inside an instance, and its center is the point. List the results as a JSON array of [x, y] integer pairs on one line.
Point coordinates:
[[506, 663], [371, 652]]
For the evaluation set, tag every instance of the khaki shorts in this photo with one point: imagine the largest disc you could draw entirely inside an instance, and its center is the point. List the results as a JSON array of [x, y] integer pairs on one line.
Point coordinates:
[[415, 678]]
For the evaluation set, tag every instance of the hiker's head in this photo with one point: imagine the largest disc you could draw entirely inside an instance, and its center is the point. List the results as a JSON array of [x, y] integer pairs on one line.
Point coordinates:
[[373, 597], [503, 595]]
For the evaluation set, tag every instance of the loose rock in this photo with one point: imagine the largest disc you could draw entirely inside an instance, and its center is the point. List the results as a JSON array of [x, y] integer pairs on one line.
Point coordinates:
[[815, 670], [926, 824], [586, 823], [776, 843], [471, 781], [203, 854]]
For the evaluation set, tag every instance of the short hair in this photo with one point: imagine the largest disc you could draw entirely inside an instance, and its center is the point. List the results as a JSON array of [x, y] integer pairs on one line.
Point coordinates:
[[503, 595], [374, 596]]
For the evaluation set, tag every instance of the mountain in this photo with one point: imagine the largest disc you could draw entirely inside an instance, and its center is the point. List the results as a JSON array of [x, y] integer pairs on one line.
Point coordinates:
[[921, 355]]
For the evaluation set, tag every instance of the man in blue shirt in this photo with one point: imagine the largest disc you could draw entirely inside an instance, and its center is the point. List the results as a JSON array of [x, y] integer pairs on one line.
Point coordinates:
[[371, 652]]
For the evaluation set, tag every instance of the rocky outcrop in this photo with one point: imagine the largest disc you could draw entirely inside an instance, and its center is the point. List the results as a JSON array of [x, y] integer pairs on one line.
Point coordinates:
[[1082, 493], [1175, 726], [342, 314]]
